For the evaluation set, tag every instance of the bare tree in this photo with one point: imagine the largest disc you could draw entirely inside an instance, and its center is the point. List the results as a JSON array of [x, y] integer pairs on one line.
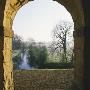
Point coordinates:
[[62, 38]]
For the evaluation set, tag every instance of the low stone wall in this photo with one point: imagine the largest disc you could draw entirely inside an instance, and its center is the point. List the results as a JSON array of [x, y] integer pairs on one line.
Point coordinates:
[[58, 79]]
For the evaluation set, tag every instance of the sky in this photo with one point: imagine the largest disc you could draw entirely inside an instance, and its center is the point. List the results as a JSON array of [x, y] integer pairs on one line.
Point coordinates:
[[38, 18]]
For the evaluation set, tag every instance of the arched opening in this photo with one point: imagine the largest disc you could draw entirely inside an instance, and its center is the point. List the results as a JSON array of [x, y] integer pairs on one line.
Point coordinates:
[[47, 24], [56, 22], [11, 8]]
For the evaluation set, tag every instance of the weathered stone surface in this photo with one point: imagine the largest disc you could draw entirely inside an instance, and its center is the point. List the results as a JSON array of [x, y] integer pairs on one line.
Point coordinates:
[[7, 64], [43, 79], [1, 63]]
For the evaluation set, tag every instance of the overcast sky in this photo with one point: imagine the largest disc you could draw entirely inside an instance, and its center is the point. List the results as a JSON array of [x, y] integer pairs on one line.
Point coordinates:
[[37, 19]]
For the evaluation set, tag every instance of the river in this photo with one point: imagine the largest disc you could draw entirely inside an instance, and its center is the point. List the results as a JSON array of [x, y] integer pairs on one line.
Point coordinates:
[[24, 64]]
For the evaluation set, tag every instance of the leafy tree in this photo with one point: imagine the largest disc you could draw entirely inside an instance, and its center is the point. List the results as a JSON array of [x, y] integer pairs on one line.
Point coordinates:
[[18, 46], [16, 42], [16, 61], [23, 47], [32, 55], [42, 58], [37, 55]]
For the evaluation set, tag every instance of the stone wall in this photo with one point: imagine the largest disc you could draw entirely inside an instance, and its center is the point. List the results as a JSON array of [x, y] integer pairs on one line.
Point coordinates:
[[43, 79]]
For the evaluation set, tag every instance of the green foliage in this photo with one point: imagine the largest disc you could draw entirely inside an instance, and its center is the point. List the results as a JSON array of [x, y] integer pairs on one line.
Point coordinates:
[[16, 61], [33, 53], [16, 42], [37, 56], [61, 65], [42, 58], [23, 47]]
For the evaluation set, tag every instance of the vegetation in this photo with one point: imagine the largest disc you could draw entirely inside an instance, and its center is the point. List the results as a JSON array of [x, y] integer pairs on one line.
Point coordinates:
[[56, 55], [58, 65], [16, 59], [62, 44], [16, 42], [18, 47], [37, 55]]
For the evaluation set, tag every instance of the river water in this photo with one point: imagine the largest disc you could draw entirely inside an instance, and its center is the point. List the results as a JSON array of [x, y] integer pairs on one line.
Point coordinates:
[[24, 64]]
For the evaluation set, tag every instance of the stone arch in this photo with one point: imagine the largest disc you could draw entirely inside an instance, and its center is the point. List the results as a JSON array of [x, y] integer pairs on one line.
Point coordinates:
[[9, 10], [74, 7]]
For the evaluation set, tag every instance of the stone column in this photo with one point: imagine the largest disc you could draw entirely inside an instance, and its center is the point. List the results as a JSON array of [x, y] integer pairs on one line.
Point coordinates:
[[1, 58], [6, 69], [79, 58], [87, 59]]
